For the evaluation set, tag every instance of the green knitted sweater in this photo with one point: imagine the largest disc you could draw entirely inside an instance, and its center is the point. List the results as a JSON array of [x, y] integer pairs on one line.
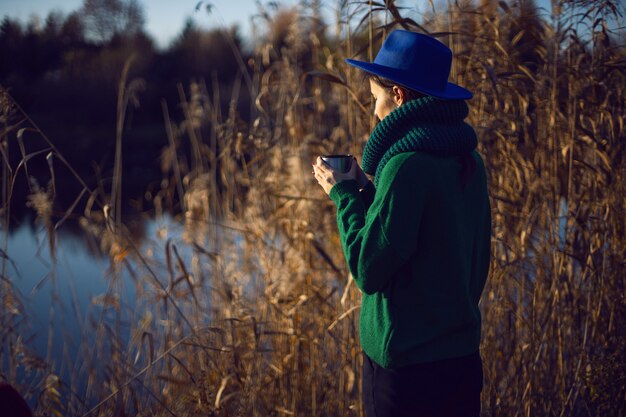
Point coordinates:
[[418, 247]]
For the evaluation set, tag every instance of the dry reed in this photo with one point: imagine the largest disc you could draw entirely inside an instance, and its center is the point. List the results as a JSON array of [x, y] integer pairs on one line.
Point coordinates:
[[261, 319]]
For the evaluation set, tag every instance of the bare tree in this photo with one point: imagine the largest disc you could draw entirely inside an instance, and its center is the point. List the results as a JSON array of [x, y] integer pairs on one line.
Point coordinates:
[[107, 18]]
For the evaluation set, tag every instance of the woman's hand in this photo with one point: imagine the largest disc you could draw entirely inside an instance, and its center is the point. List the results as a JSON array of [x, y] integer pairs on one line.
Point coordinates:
[[328, 177]]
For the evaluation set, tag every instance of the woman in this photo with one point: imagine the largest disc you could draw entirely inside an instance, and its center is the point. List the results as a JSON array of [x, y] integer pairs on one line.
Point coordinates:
[[417, 240]]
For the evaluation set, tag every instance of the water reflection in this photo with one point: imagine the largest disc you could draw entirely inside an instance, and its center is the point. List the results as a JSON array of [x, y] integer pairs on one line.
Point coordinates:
[[67, 299], [58, 292]]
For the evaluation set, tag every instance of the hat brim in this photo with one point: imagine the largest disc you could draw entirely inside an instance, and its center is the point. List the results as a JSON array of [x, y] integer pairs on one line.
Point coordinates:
[[451, 91]]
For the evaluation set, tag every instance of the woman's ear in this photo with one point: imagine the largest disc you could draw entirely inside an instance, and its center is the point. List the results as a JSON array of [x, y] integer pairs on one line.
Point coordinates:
[[399, 96]]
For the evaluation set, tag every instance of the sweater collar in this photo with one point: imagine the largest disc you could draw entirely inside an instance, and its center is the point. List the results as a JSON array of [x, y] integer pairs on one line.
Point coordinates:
[[425, 124]]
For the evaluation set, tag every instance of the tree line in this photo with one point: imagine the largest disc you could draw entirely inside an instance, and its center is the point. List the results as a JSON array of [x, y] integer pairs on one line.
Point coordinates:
[[64, 72]]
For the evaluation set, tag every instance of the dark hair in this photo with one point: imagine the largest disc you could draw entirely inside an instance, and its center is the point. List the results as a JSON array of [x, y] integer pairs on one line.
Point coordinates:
[[409, 93], [468, 167]]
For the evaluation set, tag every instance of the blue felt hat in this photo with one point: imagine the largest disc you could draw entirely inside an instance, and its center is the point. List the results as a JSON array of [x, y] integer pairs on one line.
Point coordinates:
[[416, 61]]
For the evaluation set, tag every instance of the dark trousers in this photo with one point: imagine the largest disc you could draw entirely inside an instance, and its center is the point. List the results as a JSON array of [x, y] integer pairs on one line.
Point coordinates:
[[446, 388]]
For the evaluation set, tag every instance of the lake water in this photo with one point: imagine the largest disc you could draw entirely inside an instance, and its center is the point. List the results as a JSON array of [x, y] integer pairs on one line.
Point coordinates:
[[63, 297]]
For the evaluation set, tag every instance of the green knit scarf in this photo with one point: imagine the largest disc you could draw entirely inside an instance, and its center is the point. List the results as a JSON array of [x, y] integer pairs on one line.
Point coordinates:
[[426, 124]]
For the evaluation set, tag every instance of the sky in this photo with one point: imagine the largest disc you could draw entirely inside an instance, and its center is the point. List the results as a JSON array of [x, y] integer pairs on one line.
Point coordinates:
[[164, 18]]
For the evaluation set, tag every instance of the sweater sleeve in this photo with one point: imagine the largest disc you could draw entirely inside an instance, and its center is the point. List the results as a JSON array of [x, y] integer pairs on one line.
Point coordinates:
[[378, 241], [367, 194]]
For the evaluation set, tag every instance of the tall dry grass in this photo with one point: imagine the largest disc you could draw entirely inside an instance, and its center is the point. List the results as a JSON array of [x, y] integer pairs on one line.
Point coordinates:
[[251, 312]]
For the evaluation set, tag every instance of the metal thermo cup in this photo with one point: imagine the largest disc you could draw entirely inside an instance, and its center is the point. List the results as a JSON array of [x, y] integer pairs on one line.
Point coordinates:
[[340, 163]]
